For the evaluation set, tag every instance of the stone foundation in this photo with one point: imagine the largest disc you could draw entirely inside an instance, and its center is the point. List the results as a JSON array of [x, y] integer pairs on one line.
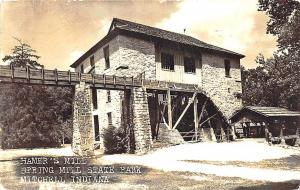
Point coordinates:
[[83, 134], [141, 121], [169, 136]]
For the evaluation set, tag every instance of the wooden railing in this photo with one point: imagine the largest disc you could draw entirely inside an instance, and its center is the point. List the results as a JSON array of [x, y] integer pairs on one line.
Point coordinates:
[[66, 78], [55, 77]]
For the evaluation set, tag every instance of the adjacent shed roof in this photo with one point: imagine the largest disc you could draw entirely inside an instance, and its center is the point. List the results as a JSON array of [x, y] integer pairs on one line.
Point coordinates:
[[268, 112], [132, 27], [273, 111]]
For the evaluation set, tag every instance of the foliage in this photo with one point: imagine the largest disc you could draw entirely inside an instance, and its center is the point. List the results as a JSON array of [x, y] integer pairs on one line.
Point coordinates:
[[276, 81], [284, 23], [115, 140], [23, 55], [34, 116]]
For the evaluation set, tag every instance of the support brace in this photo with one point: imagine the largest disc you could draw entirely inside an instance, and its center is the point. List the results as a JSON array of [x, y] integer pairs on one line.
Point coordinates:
[[184, 111]]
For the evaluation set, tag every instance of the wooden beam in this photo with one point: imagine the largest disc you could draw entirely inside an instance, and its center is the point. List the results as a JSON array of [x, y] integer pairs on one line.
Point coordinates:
[[157, 114], [163, 118], [202, 111], [196, 118], [207, 119], [185, 109], [169, 109]]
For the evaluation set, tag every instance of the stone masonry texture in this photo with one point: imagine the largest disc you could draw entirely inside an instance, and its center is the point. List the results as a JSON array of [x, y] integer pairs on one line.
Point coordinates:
[[83, 134], [132, 56], [141, 121]]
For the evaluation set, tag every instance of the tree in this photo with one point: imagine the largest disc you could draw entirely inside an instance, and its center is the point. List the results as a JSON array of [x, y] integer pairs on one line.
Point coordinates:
[[284, 23], [33, 115], [276, 81], [23, 55]]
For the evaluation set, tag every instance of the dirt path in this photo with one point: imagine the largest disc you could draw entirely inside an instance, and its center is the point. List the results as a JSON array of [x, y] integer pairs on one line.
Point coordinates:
[[213, 158], [247, 164]]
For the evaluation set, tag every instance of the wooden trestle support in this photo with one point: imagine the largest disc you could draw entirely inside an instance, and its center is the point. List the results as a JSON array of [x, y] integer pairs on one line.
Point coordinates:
[[169, 104]]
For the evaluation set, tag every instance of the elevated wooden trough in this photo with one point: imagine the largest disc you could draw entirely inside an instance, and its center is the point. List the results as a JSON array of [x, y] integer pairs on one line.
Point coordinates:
[[55, 77]]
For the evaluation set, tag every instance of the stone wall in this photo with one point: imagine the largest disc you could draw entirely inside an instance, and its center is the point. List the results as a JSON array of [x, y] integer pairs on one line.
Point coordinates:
[[138, 56], [219, 88], [131, 57], [141, 121], [83, 133]]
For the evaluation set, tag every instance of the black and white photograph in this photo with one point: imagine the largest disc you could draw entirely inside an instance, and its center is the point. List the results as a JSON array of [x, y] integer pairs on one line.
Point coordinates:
[[150, 94]]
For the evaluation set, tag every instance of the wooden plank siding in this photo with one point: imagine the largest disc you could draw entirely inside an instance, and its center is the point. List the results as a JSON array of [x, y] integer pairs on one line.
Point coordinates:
[[178, 75]]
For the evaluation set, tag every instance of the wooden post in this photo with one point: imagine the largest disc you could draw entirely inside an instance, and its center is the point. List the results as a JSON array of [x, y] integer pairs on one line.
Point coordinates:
[[157, 111], [169, 109], [69, 76], [196, 118], [79, 76], [202, 111], [12, 71], [132, 81], [184, 111], [27, 73], [93, 78], [43, 75], [56, 75], [104, 79], [124, 78], [114, 80]]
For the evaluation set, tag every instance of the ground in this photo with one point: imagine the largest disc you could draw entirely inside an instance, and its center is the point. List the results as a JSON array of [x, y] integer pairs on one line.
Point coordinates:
[[244, 164]]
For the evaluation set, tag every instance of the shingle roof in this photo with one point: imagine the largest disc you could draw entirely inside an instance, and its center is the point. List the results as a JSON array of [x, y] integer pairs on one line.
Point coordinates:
[[167, 35], [128, 26], [273, 111]]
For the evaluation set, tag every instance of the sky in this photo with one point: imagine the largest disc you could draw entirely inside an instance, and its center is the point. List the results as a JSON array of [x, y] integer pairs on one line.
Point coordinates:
[[61, 31]]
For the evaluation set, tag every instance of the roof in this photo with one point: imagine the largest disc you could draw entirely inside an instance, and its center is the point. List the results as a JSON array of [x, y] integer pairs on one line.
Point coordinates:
[[270, 111], [273, 111], [167, 35], [132, 27]]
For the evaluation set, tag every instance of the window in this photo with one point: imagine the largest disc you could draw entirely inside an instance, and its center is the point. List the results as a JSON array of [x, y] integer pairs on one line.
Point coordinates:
[[189, 65], [109, 119], [94, 98], [92, 61], [167, 61], [106, 57], [81, 68], [227, 67], [108, 96]]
